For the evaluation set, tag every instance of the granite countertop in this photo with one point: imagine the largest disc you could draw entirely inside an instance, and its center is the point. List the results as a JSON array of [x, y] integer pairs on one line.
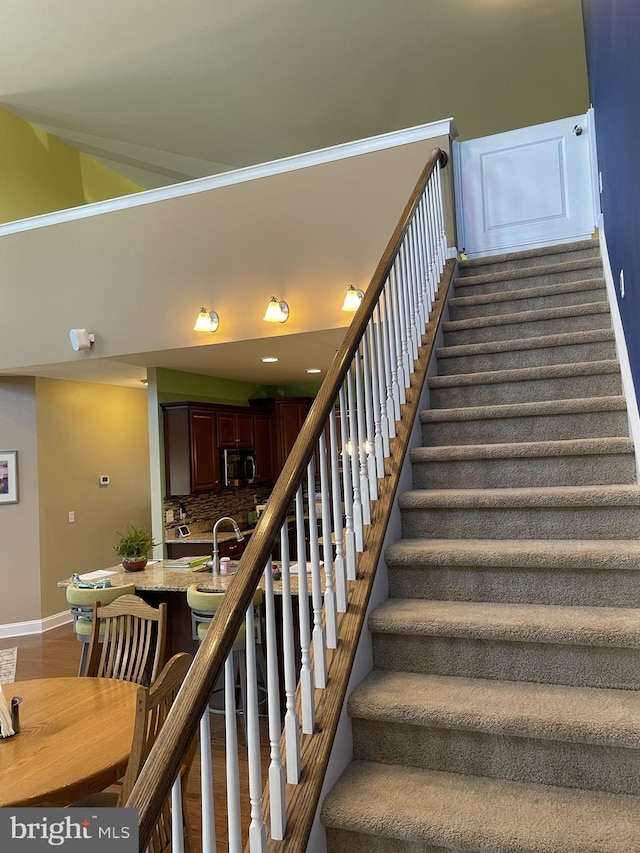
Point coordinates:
[[161, 577]]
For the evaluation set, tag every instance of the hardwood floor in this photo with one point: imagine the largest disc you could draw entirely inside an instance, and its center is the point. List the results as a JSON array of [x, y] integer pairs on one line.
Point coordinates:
[[57, 654]]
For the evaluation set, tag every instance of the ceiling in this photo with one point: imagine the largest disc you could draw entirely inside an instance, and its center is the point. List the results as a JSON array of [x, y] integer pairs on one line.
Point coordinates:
[[164, 91]]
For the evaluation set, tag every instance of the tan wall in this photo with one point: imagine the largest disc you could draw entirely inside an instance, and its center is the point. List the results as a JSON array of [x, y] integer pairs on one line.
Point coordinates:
[[19, 550], [85, 430], [137, 277]]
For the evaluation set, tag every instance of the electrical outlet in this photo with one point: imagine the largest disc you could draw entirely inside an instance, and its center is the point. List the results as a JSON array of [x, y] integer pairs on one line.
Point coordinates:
[[168, 516], [72, 516]]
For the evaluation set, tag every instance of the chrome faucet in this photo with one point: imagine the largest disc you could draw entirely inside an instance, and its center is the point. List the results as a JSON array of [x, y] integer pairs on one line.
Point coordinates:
[[214, 563]]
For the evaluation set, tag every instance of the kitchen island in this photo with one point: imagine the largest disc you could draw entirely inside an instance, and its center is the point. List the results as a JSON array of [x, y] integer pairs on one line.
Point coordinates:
[[160, 581]]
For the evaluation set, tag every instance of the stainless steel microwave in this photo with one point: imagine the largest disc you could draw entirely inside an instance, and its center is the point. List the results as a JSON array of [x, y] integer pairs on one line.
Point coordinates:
[[237, 467]]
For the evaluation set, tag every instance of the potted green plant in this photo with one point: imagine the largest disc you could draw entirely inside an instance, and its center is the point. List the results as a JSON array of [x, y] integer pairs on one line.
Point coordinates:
[[133, 548]]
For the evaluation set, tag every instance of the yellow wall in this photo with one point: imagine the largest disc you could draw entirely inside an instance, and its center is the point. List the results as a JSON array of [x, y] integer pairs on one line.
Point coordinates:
[[40, 173], [85, 430]]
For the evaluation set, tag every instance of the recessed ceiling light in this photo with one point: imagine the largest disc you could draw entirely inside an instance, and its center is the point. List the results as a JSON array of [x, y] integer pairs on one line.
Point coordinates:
[[269, 360], [314, 370]]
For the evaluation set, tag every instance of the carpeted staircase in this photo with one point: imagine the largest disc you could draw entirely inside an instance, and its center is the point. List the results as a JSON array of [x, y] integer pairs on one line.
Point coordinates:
[[502, 714]]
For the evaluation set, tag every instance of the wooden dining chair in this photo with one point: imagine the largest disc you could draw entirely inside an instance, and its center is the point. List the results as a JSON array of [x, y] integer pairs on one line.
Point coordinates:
[[152, 708], [127, 640], [81, 601]]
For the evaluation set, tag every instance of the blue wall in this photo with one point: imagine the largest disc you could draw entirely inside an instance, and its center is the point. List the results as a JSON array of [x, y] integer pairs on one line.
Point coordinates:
[[612, 30]]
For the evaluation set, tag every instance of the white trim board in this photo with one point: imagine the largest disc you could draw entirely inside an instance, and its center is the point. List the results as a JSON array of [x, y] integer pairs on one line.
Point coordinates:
[[419, 133], [628, 387], [35, 626]]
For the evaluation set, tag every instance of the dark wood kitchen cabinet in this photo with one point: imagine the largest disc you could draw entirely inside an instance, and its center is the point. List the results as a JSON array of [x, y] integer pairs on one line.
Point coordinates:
[[235, 429], [263, 431], [289, 415], [191, 454]]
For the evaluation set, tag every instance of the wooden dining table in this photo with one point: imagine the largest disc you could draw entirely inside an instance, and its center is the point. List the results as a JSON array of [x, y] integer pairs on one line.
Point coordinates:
[[75, 738]]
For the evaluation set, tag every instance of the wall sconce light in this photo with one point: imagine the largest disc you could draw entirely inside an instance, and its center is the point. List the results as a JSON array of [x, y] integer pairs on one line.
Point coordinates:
[[277, 312], [81, 339], [207, 321], [352, 299]]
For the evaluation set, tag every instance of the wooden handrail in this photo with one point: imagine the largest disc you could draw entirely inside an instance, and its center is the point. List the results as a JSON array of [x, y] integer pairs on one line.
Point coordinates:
[[163, 764]]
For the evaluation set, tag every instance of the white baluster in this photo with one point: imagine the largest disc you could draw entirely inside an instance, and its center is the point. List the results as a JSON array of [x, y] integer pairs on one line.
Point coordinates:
[[306, 674], [257, 829], [378, 443], [338, 534], [277, 804], [416, 277], [429, 251], [370, 446], [406, 292], [347, 480], [440, 214], [330, 612], [398, 323], [382, 377], [389, 326], [433, 242], [388, 361], [361, 418], [424, 261], [317, 635], [291, 721], [356, 479], [234, 821], [206, 786], [435, 235], [177, 822]]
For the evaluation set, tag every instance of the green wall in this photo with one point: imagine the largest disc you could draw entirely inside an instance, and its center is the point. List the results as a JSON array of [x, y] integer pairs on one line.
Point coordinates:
[[41, 174], [176, 386]]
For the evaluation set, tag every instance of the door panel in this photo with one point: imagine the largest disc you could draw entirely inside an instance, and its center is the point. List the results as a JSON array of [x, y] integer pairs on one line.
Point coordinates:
[[525, 188]]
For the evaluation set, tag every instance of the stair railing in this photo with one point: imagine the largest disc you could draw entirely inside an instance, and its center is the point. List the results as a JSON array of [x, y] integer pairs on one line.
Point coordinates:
[[326, 495]]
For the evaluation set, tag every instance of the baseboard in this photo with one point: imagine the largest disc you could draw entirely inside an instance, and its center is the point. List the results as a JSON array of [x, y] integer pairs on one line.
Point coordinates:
[[628, 388], [35, 626]]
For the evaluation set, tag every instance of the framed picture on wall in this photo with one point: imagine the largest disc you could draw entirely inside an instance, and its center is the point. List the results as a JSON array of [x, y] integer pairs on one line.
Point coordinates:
[[8, 476]]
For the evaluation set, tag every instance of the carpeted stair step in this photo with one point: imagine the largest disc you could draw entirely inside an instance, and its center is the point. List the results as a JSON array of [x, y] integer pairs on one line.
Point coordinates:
[[527, 324], [578, 737], [594, 345], [581, 462], [591, 573], [574, 646], [527, 384], [543, 275], [569, 253], [554, 512], [529, 299], [591, 417], [382, 808]]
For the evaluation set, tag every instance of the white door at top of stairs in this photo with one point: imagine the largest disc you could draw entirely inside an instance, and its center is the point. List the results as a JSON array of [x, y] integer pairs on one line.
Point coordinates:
[[525, 188]]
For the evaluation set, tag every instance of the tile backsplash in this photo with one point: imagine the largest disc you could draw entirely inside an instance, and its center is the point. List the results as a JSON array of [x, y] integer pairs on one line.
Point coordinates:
[[208, 507]]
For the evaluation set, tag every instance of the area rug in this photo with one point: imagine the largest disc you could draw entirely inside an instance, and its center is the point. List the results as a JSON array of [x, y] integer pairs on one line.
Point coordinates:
[[8, 658]]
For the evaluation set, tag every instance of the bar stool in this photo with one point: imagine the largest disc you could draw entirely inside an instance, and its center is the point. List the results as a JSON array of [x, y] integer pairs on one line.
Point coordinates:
[[81, 601], [203, 605]]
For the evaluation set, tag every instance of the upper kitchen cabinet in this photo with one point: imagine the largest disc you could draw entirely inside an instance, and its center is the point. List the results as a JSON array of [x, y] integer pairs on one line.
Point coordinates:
[[235, 429], [191, 454], [263, 428], [289, 415]]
